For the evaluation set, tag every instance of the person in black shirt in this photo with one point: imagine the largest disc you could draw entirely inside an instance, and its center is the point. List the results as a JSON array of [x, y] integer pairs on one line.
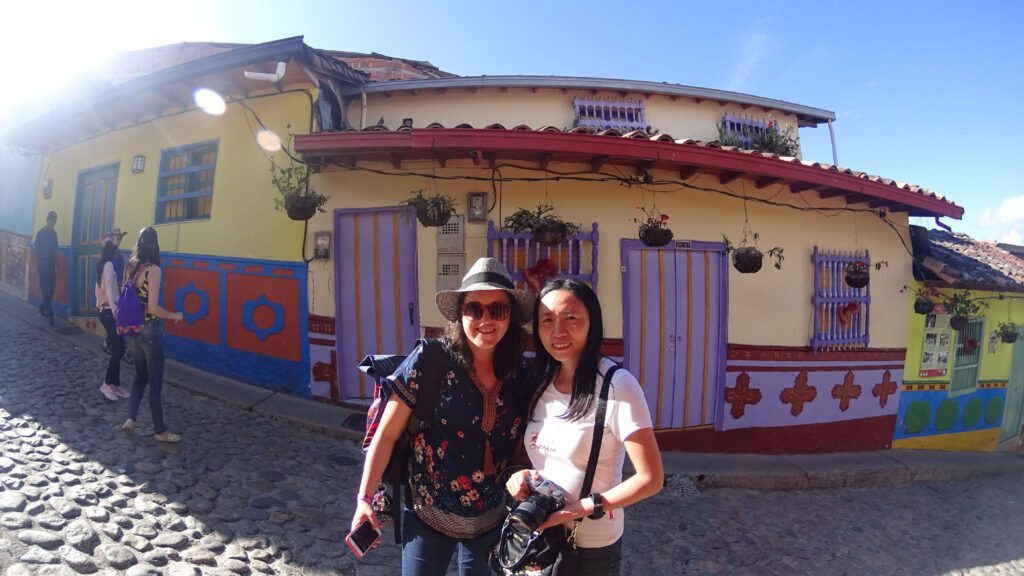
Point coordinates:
[[46, 260]]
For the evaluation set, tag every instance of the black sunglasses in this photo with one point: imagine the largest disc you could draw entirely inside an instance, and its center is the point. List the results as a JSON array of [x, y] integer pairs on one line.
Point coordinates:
[[496, 310]]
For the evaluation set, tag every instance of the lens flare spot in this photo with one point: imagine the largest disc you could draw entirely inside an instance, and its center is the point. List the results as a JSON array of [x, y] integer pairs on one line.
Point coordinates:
[[268, 140], [209, 101]]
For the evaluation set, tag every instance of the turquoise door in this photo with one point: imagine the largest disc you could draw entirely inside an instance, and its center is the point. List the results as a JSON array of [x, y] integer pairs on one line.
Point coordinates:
[[1014, 395], [94, 217]]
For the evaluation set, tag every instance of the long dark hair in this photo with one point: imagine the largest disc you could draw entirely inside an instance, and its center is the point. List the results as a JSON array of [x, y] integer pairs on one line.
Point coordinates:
[[508, 354], [108, 254], [147, 250], [545, 368]]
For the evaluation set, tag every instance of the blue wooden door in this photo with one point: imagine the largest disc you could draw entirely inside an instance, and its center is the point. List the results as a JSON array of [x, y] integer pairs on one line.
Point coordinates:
[[1014, 410], [377, 290], [674, 304], [94, 217]]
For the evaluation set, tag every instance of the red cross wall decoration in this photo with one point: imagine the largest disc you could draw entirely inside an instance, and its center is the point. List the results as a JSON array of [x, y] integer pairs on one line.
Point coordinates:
[[884, 389], [741, 395], [799, 394], [846, 391], [324, 372]]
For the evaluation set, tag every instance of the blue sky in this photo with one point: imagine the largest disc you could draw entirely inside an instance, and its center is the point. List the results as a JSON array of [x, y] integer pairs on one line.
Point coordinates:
[[924, 92]]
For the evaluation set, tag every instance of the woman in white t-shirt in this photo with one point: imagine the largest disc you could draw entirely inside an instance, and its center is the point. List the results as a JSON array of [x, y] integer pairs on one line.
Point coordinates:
[[569, 370]]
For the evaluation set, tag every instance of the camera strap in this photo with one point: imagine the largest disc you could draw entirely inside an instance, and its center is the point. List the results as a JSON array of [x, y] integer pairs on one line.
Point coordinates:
[[595, 446]]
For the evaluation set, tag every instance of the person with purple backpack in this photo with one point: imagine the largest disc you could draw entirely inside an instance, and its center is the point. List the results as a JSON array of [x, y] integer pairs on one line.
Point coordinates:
[[145, 333], [106, 302]]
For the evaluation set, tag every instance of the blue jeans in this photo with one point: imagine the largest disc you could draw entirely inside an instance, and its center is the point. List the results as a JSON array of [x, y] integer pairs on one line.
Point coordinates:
[[148, 351], [427, 553], [605, 561], [116, 347]]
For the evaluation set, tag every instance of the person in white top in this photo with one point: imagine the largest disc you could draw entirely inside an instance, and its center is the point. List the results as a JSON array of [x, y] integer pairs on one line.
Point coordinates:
[[106, 303], [569, 370]]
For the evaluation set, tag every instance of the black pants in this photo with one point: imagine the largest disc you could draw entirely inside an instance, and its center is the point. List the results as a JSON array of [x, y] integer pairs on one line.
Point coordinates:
[[116, 344], [47, 283]]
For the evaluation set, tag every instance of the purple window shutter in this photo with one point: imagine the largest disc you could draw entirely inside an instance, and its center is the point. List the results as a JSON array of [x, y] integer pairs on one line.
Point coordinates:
[[506, 246], [832, 300]]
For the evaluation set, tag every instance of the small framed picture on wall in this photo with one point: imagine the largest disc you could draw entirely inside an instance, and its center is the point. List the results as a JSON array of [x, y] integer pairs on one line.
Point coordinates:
[[477, 207]]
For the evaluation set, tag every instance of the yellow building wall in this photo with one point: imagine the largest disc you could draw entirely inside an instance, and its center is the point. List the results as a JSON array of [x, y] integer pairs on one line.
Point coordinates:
[[681, 118], [771, 307], [243, 221], [994, 365]]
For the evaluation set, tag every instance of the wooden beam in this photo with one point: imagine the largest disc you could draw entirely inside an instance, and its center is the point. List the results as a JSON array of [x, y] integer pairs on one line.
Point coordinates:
[[687, 172], [492, 159], [765, 181], [728, 176], [857, 198], [441, 157], [798, 187], [879, 203], [396, 160], [831, 193], [544, 160], [904, 208], [597, 162]]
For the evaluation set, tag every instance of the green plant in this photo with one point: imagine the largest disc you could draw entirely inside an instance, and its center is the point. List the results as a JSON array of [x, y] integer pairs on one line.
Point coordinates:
[[524, 220], [653, 230], [292, 182], [433, 210], [771, 140], [744, 251], [961, 304], [1007, 332]]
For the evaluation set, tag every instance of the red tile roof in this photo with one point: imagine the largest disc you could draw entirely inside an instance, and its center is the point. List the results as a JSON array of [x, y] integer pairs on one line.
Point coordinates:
[[979, 264]]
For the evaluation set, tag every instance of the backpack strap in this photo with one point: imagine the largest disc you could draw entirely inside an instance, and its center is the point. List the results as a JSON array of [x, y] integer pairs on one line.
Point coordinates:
[[429, 395]]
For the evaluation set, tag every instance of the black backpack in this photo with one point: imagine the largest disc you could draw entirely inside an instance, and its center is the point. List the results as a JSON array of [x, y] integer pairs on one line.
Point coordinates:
[[380, 367]]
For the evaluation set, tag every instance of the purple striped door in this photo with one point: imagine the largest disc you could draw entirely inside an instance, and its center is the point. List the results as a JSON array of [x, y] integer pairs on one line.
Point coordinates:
[[376, 290], [674, 316]]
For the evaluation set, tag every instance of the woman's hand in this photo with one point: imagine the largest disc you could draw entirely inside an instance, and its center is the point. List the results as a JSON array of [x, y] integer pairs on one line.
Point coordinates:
[[566, 514], [517, 485], [363, 513]]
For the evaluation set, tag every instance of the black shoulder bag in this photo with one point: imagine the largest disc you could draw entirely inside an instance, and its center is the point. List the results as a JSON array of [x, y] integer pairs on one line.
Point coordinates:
[[552, 552]]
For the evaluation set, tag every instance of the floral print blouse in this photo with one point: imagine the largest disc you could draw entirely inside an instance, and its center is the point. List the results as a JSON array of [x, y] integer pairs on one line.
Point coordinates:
[[455, 465]]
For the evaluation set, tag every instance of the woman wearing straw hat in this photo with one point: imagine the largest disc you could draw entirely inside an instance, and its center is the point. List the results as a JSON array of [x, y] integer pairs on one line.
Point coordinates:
[[456, 496]]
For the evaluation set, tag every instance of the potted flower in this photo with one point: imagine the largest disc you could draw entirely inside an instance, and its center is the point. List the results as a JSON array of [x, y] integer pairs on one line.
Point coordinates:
[[547, 229], [431, 211], [297, 199], [748, 259], [857, 274], [924, 300], [654, 230], [961, 308], [1007, 332]]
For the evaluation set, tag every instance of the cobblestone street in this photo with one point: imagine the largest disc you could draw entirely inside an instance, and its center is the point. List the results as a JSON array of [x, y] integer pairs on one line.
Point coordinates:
[[243, 494]]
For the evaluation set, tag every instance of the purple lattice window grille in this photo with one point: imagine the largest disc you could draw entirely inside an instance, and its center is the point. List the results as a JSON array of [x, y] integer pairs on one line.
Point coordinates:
[[842, 314], [601, 114], [576, 257], [744, 128]]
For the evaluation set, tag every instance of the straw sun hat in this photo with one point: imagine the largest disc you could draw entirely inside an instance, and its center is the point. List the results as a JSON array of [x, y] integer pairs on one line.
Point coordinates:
[[486, 274]]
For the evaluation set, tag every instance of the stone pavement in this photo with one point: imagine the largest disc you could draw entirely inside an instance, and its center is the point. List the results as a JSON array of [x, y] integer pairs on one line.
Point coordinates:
[[248, 494]]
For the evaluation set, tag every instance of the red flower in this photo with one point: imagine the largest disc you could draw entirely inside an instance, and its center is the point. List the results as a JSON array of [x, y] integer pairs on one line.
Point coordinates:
[[460, 434], [464, 482]]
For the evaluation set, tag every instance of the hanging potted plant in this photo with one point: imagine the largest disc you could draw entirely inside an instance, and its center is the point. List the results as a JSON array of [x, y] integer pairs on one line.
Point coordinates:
[[297, 199], [749, 259], [431, 211], [547, 229], [1007, 332], [857, 274], [924, 300], [654, 230], [961, 308]]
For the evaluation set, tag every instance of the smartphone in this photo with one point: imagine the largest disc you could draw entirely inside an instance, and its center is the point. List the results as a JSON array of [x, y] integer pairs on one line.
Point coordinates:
[[362, 539]]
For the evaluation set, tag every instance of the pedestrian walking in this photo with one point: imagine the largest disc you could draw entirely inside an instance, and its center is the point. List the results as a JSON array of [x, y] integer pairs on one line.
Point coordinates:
[[106, 302], [147, 345], [569, 374], [114, 236], [457, 499], [46, 264]]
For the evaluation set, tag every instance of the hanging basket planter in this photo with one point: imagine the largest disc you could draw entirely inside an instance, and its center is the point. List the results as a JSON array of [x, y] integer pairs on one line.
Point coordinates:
[[1007, 332], [655, 236], [958, 323], [550, 232], [857, 276], [300, 208], [923, 306], [433, 215], [747, 259]]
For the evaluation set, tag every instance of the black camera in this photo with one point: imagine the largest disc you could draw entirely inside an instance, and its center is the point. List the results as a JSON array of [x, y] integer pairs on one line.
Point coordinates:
[[544, 499]]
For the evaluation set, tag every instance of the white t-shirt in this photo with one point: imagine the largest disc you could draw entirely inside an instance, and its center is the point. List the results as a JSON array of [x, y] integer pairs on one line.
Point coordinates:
[[559, 449]]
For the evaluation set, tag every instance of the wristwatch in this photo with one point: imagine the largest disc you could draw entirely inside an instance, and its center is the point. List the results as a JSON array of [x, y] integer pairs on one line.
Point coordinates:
[[598, 506]]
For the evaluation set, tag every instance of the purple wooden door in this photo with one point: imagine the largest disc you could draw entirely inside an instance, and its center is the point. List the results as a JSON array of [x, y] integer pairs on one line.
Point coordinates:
[[376, 290], [674, 328]]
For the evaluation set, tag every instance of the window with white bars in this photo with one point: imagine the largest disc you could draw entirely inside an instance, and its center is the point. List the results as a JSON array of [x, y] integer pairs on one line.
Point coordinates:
[[967, 358]]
